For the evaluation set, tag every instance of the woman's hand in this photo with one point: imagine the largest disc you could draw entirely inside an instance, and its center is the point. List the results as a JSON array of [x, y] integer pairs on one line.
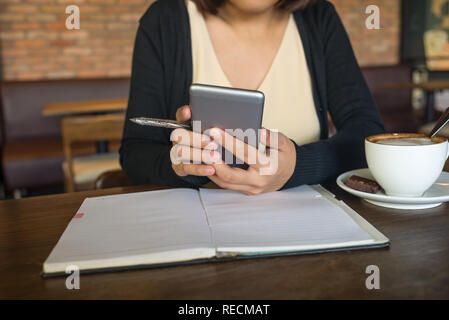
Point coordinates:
[[269, 172], [192, 153], [195, 154]]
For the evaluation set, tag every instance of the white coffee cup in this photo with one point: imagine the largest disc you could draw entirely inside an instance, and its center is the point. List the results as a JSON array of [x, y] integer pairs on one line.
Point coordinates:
[[402, 168]]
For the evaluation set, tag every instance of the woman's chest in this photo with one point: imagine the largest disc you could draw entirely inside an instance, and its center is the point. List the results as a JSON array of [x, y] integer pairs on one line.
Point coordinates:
[[245, 61]]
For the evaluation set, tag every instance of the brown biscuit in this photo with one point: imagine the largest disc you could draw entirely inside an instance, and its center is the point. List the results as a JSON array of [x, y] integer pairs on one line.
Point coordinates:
[[362, 184]]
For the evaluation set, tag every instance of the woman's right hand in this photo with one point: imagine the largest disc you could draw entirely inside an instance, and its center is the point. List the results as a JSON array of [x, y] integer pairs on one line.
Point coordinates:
[[192, 153]]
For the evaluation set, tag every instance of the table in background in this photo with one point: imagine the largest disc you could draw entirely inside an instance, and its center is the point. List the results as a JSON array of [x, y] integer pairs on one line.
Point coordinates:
[[430, 87], [94, 107], [415, 266], [90, 106]]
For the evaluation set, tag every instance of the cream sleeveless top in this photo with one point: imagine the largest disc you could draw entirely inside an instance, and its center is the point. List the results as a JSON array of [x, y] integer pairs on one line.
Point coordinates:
[[289, 105]]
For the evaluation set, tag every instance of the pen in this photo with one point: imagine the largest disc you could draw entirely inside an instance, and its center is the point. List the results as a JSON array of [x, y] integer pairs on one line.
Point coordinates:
[[164, 123]]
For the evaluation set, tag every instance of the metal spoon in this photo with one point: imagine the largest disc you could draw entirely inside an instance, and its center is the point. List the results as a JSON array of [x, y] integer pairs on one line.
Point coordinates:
[[442, 121]]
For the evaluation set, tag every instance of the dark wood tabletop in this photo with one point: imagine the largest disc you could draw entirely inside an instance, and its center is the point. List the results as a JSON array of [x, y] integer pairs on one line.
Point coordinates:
[[83, 107], [416, 265]]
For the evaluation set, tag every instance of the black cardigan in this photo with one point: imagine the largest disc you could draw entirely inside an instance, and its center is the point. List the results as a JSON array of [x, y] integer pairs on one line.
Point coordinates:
[[162, 74]]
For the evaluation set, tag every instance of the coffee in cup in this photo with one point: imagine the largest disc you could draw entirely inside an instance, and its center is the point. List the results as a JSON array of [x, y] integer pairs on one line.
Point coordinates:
[[405, 164]]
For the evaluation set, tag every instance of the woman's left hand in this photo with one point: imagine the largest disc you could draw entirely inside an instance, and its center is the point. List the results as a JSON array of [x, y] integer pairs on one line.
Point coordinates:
[[270, 170]]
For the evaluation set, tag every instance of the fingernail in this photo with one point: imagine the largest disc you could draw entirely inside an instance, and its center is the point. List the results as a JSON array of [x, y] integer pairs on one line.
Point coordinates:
[[212, 146], [215, 133], [215, 155], [205, 139], [263, 135]]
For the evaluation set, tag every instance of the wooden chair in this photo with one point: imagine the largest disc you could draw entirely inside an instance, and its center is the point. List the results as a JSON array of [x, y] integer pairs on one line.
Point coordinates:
[[112, 179], [81, 172]]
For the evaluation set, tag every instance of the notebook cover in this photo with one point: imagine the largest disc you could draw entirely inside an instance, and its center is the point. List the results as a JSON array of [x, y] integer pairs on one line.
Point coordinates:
[[221, 259]]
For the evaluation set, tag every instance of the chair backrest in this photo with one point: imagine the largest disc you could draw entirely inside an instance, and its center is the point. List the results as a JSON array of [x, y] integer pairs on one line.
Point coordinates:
[[93, 128], [89, 128], [112, 179]]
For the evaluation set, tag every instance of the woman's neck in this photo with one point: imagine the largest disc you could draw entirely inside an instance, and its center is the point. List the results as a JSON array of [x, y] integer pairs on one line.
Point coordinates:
[[251, 24]]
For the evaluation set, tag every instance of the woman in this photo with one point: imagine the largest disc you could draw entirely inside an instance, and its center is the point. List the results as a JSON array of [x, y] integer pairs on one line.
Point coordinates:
[[295, 51]]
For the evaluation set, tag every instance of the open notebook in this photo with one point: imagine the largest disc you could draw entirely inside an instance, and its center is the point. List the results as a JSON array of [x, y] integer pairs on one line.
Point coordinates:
[[186, 225]]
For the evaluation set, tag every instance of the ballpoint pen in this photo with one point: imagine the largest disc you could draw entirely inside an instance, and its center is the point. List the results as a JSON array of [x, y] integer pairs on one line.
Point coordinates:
[[164, 123]]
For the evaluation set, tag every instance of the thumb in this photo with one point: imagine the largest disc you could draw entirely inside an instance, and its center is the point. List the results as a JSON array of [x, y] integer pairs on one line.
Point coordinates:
[[183, 113]]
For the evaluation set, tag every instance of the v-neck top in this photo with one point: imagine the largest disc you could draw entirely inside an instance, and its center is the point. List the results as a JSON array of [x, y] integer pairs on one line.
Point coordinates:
[[289, 104]]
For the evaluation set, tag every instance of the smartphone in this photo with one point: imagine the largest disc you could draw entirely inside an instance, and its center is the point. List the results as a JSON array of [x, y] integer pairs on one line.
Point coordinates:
[[228, 109]]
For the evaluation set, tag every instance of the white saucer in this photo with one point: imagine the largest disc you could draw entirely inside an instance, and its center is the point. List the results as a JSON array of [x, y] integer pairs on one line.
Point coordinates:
[[433, 197]]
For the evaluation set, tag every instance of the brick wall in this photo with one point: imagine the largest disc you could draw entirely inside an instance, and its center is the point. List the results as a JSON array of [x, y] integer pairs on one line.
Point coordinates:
[[372, 47], [35, 44]]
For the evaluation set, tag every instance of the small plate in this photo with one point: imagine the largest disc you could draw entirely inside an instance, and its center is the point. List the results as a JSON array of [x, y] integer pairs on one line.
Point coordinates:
[[433, 197]]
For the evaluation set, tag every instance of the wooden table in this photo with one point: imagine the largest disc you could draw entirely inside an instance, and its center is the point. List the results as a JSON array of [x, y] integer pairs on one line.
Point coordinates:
[[415, 266], [94, 107], [430, 87], [83, 107]]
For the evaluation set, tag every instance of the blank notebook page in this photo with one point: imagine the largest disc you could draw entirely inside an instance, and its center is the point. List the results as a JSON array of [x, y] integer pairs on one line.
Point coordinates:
[[132, 229], [291, 220]]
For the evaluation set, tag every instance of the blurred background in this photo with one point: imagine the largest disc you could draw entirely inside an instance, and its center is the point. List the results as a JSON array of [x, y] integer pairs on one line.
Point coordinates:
[[63, 92]]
